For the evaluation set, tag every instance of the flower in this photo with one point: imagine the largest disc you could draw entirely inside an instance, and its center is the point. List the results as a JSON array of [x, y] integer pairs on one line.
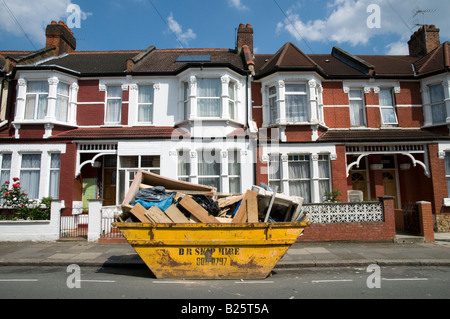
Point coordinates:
[[16, 185], [16, 179], [7, 182]]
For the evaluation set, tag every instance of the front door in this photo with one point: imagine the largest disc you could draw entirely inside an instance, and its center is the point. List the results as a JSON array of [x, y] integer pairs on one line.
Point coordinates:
[[109, 186], [359, 183], [390, 185]]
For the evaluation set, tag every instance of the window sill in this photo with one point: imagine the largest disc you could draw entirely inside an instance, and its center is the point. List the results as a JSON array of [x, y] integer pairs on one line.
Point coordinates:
[[43, 122]]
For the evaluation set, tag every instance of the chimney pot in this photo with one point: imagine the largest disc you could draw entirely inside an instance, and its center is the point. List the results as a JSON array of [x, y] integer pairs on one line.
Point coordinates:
[[60, 36]]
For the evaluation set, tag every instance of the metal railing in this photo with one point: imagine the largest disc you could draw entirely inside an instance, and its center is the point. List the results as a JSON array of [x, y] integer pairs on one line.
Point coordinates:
[[335, 213], [108, 217], [74, 226]]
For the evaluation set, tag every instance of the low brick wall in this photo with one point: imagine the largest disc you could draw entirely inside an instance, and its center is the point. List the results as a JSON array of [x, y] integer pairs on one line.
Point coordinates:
[[367, 231]]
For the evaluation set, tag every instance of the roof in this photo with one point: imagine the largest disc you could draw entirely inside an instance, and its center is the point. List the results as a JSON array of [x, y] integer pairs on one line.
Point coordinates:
[[435, 61], [105, 133], [381, 135]]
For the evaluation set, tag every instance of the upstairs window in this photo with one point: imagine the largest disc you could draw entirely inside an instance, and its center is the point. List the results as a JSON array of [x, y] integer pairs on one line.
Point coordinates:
[[36, 100], [296, 103], [232, 99], [62, 102], [113, 105], [145, 104], [387, 107], [357, 108], [209, 93], [438, 110], [273, 107]]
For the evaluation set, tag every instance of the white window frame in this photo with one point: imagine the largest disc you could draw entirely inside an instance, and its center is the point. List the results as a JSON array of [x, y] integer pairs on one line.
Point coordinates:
[[57, 171], [389, 107], [216, 158], [62, 101], [36, 95], [437, 104], [234, 159], [146, 104], [184, 158], [5, 170], [301, 93], [305, 158], [274, 111], [363, 107], [30, 169], [114, 98], [209, 98]]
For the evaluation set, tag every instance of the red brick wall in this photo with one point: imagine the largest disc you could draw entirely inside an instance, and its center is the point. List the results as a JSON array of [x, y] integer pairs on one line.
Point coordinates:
[[437, 168], [373, 231], [333, 94]]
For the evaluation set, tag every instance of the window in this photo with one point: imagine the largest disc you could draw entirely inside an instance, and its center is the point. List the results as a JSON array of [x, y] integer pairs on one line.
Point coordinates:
[[275, 172], [234, 172], [273, 107], [30, 174], [209, 168], [357, 112], [186, 100], [388, 115], [209, 93], [129, 166], [438, 110], [5, 174], [324, 176], [300, 176], [113, 105], [145, 104], [36, 100], [296, 103], [62, 102], [55, 167], [232, 99], [184, 166], [447, 172]]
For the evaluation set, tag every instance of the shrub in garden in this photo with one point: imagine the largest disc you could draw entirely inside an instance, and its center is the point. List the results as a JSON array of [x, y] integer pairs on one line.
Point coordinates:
[[15, 199]]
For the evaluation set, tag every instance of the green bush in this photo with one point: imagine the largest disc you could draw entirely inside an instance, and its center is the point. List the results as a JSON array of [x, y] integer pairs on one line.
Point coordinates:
[[14, 198]]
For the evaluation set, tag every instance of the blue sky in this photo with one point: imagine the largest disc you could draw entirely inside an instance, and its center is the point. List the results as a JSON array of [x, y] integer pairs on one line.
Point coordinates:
[[315, 26]]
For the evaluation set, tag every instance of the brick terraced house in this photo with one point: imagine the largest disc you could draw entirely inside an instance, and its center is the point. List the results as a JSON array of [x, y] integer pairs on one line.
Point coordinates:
[[78, 125]]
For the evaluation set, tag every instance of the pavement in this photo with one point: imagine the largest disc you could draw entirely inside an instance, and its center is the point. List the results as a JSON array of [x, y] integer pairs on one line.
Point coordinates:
[[300, 255]]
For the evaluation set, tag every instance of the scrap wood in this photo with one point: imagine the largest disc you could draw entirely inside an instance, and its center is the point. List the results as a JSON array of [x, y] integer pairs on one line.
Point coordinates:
[[158, 215], [230, 200], [241, 214], [176, 215], [252, 210], [197, 210], [139, 212]]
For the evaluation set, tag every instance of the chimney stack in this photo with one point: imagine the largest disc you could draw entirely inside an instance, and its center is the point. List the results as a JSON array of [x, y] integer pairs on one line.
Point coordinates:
[[60, 36], [245, 37], [424, 40]]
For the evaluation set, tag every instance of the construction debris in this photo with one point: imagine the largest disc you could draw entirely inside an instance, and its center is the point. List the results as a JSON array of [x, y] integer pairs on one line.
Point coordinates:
[[171, 201]]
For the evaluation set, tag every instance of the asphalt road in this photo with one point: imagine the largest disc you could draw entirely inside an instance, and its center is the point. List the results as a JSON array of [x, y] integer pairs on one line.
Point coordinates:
[[308, 283]]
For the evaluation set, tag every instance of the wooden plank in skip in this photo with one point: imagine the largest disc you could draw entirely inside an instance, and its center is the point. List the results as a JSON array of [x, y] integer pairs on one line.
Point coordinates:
[[197, 211], [139, 212], [176, 215], [241, 214]]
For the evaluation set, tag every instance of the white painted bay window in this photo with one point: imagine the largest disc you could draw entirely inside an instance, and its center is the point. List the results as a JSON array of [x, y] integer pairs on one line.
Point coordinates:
[[55, 167], [234, 172], [296, 103], [209, 92], [300, 176], [36, 100], [209, 168], [62, 102], [30, 174]]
